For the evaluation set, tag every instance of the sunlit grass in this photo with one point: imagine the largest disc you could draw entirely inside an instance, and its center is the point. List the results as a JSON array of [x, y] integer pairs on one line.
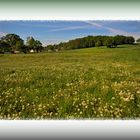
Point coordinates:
[[78, 84]]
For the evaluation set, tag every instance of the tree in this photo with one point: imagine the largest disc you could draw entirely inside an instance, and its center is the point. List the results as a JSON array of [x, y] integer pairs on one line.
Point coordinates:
[[129, 40], [25, 49], [109, 42], [50, 47], [33, 44], [95, 41], [30, 43], [14, 41], [119, 39], [38, 46], [98, 43], [138, 40], [4, 47], [18, 46]]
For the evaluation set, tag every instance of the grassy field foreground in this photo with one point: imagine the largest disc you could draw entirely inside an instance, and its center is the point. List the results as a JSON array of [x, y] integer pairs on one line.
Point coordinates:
[[89, 83]]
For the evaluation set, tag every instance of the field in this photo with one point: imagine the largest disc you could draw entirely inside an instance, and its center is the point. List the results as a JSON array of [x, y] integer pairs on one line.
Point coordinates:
[[93, 83]]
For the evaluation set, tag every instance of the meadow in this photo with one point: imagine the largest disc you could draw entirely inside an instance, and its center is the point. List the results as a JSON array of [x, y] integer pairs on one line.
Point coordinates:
[[92, 83]]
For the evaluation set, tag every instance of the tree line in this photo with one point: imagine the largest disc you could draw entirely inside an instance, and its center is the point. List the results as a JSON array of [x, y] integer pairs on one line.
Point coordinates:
[[93, 41], [13, 43]]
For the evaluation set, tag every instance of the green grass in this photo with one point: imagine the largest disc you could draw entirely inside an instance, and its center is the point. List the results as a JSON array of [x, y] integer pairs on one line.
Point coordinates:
[[92, 83]]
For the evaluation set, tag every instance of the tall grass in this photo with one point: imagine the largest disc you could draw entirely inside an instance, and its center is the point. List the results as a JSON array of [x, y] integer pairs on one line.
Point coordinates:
[[99, 83]]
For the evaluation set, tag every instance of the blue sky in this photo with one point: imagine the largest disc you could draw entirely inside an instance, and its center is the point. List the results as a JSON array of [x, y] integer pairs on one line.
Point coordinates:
[[51, 32]]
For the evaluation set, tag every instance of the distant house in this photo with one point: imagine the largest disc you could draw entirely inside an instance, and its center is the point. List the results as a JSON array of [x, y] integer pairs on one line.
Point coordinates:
[[49, 50], [56, 50], [7, 52], [31, 51], [16, 52]]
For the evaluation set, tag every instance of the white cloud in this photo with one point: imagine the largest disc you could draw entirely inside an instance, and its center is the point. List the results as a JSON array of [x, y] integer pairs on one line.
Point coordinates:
[[69, 28], [114, 31], [94, 24], [122, 32]]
